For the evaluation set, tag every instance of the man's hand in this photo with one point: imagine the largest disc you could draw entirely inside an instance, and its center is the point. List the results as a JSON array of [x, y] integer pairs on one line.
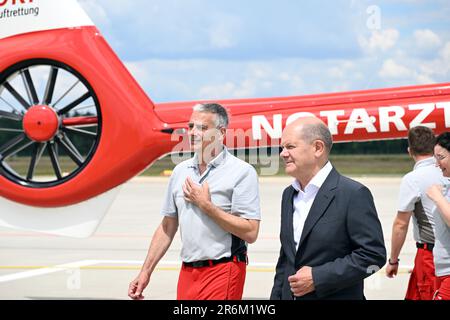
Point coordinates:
[[391, 270], [138, 285], [198, 195], [302, 282]]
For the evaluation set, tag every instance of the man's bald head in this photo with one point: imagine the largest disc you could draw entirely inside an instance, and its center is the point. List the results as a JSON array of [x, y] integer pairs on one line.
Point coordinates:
[[309, 129]]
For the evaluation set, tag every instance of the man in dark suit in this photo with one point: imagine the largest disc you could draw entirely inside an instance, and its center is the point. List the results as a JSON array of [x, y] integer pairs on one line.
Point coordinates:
[[331, 238]]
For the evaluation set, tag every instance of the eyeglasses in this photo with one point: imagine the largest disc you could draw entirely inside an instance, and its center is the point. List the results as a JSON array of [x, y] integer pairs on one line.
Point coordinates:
[[440, 157]]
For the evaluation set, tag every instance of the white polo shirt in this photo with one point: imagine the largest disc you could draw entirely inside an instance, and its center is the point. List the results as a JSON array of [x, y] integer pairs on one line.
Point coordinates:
[[441, 251], [233, 185], [413, 197], [304, 200]]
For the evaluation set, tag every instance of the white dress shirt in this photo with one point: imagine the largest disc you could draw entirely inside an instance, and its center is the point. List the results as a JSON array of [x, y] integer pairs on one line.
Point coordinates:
[[304, 200]]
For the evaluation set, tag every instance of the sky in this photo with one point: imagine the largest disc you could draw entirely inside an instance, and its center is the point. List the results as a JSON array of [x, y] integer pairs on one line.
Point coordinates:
[[197, 49]]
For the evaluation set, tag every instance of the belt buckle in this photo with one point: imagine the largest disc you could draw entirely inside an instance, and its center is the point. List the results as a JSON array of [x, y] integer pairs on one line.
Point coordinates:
[[200, 264], [425, 246]]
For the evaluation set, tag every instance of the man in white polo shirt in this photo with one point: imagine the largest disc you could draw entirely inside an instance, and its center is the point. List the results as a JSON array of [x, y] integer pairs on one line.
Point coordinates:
[[214, 198], [413, 202]]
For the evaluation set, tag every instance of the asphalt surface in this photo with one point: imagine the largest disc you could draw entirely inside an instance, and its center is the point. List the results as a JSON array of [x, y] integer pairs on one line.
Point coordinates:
[[39, 266]]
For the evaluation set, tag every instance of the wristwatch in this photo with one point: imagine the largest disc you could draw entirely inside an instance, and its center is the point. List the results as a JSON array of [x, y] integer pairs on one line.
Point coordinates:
[[393, 263]]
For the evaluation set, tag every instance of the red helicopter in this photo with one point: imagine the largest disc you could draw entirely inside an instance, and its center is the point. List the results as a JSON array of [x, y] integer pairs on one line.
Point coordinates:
[[64, 94]]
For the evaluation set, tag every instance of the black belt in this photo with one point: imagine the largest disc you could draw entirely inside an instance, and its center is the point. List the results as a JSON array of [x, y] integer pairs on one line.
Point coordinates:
[[205, 263], [426, 246]]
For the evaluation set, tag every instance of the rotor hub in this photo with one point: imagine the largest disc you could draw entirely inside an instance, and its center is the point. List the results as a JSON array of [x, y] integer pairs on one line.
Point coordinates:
[[40, 123]]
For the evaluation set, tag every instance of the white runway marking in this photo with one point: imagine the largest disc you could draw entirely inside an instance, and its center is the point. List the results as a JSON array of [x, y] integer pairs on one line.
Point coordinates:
[[42, 271], [85, 263]]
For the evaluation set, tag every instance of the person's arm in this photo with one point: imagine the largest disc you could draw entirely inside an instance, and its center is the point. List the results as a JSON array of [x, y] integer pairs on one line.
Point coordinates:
[[162, 238], [276, 293], [399, 231], [280, 270], [245, 229], [368, 255], [435, 194]]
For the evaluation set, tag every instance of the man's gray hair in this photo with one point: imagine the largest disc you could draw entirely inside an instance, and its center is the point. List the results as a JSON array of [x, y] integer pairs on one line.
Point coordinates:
[[215, 108], [317, 131]]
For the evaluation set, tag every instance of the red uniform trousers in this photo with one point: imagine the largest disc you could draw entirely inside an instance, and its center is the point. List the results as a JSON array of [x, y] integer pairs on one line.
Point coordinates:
[[422, 283], [223, 281], [443, 288]]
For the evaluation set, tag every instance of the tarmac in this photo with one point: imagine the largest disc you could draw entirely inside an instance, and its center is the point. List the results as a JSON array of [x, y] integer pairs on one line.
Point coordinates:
[[39, 266]]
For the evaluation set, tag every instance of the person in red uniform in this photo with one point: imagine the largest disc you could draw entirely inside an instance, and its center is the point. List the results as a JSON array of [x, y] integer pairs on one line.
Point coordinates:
[[214, 198], [413, 202], [440, 195]]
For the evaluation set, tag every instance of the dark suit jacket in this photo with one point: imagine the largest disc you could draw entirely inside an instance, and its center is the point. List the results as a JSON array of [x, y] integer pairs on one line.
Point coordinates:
[[342, 241]]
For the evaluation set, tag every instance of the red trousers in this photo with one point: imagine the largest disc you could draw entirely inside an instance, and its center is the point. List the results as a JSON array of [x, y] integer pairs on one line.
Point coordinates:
[[422, 283], [443, 288], [223, 281]]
